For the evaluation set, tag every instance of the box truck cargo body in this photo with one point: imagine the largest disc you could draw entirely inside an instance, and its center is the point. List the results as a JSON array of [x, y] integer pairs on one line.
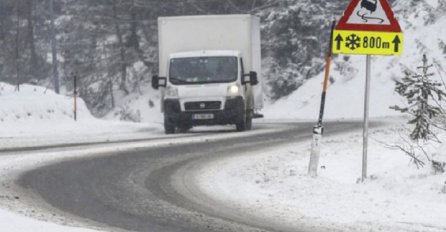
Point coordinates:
[[209, 69]]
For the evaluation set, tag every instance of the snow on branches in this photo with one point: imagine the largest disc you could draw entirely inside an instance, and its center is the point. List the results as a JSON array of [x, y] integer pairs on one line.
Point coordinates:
[[424, 98]]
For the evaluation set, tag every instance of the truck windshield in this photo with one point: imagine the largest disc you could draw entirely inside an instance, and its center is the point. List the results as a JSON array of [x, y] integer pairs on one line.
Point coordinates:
[[200, 70]]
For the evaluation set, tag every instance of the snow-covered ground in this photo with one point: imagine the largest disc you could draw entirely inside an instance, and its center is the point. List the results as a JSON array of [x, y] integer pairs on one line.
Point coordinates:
[[37, 116], [18, 223], [274, 184], [396, 197]]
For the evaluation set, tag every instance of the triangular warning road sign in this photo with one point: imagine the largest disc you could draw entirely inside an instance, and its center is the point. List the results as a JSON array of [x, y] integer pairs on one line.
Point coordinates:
[[369, 15]]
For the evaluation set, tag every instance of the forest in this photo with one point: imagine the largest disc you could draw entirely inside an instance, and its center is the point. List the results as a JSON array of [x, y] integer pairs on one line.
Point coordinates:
[[111, 45]]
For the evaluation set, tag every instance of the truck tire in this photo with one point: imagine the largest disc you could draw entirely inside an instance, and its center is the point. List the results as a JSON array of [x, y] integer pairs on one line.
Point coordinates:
[[241, 125], [169, 126], [249, 116]]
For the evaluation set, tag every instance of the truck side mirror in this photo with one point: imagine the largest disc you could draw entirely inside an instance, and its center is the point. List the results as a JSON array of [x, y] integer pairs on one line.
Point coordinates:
[[158, 82], [155, 83], [253, 78], [250, 78]]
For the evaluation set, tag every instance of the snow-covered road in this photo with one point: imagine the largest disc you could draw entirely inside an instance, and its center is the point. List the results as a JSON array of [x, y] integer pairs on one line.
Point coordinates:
[[21, 157], [132, 188]]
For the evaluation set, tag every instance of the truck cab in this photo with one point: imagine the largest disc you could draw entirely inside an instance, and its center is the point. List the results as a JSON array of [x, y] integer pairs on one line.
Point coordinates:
[[207, 88]]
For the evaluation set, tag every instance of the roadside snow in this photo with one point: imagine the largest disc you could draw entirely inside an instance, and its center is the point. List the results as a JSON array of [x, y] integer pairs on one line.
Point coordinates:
[[37, 116], [17, 223], [274, 184], [397, 197], [143, 106]]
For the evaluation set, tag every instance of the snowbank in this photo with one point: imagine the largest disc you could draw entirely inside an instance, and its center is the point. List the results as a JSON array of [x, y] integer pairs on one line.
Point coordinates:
[[37, 104], [140, 106], [13, 222], [38, 113]]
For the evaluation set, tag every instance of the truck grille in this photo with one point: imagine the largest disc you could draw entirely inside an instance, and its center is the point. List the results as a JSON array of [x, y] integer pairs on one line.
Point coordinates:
[[207, 105]]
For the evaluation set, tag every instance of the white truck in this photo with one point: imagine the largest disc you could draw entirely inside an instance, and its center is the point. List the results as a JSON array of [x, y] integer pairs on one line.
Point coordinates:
[[209, 70]]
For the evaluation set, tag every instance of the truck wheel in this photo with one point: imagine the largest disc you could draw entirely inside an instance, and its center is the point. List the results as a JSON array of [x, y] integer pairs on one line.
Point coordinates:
[[249, 116], [241, 125], [169, 126]]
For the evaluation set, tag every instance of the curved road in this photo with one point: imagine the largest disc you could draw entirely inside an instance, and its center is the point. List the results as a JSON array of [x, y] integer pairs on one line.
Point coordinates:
[[148, 190]]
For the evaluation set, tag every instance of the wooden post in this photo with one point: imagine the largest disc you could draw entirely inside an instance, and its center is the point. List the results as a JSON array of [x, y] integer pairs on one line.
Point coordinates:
[[318, 129], [75, 98]]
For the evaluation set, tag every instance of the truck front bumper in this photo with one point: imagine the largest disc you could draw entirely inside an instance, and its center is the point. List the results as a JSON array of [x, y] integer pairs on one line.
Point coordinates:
[[232, 113]]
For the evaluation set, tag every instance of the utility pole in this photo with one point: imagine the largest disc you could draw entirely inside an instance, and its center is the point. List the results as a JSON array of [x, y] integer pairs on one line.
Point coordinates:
[[54, 49]]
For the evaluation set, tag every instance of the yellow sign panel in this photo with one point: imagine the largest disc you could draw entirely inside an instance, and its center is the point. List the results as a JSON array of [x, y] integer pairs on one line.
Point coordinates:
[[367, 42]]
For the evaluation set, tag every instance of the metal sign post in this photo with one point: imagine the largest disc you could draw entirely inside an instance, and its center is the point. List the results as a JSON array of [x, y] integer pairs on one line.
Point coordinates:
[[368, 28], [365, 139]]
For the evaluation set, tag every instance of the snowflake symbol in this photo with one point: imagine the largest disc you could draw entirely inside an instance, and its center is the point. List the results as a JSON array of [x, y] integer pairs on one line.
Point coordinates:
[[353, 42]]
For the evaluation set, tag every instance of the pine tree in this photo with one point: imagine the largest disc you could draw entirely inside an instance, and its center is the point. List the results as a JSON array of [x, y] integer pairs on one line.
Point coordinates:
[[423, 96]]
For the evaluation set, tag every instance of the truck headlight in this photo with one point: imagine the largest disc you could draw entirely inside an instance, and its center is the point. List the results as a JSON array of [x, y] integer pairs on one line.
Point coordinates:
[[233, 90], [171, 92]]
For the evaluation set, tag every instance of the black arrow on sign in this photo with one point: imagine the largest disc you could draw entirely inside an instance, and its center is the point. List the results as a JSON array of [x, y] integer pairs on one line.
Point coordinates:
[[338, 39], [397, 42]]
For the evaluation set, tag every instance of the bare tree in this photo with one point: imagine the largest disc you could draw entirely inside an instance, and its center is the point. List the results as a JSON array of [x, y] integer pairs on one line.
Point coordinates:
[[17, 46], [121, 45], [31, 43]]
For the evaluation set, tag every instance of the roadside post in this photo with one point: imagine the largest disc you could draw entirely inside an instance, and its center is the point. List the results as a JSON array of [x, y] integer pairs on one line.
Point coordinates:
[[318, 129], [368, 27], [75, 97]]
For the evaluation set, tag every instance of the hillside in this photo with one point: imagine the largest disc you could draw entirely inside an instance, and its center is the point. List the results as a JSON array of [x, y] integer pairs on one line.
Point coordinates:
[[347, 77]]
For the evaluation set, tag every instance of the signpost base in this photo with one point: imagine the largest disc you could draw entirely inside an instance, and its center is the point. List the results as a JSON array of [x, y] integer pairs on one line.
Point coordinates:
[[315, 151]]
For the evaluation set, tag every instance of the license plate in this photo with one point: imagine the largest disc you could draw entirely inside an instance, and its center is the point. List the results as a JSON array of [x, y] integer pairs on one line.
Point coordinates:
[[202, 116]]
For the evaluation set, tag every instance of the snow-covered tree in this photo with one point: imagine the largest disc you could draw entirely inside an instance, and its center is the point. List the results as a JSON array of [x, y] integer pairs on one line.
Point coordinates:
[[295, 39], [423, 100], [424, 106]]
